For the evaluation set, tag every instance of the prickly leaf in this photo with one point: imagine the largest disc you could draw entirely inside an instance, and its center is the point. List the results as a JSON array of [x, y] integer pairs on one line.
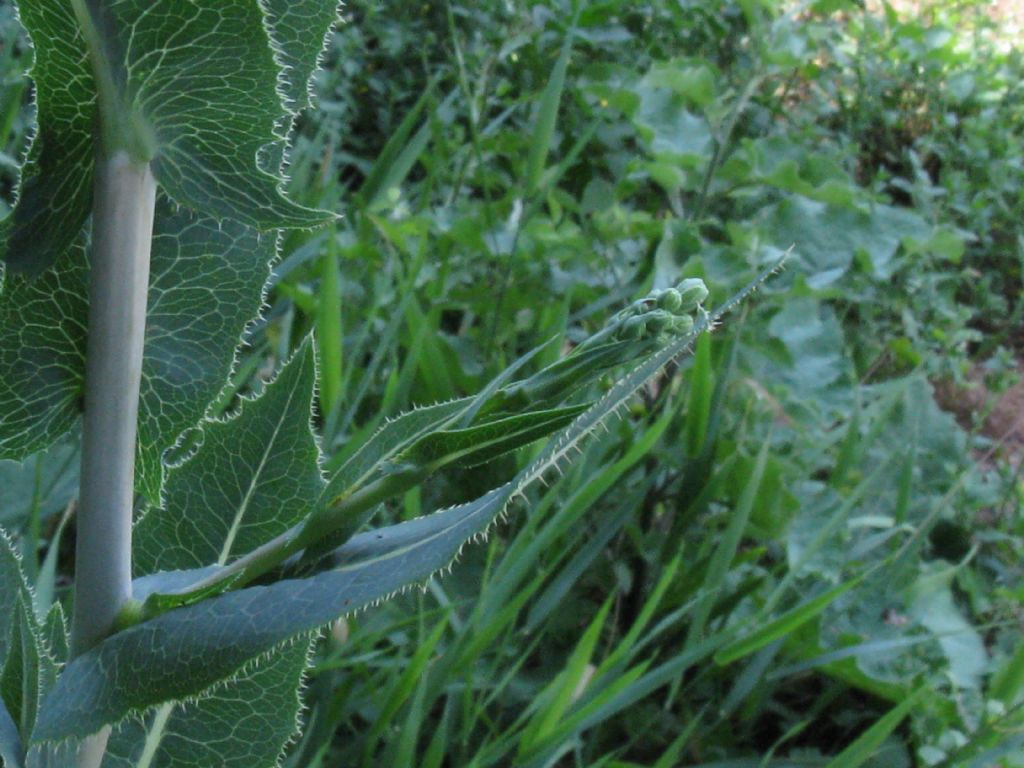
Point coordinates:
[[261, 705], [253, 477], [55, 191]]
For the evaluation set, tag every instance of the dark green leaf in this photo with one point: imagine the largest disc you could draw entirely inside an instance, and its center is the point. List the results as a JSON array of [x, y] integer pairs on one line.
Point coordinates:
[[185, 651], [202, 80], [56, 180], [298, 29], [253, 477], [243, 724], [474, 445], [206, 283], [21, 675], [42, 354]]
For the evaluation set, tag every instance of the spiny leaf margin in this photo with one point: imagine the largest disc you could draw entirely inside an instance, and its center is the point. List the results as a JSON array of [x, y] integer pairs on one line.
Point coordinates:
[[184, 652]]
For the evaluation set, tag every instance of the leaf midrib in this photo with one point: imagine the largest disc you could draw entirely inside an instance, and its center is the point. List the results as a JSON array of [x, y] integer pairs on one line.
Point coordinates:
[[236, 524]]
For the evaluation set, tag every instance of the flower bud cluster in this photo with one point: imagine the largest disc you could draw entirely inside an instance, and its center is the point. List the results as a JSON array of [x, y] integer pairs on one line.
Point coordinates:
[[663, 312]]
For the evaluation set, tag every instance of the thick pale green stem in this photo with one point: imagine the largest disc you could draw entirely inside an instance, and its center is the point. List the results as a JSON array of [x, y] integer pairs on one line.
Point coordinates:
[[122, 230]]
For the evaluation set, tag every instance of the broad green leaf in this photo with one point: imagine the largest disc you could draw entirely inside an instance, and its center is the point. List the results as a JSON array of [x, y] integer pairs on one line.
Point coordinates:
[[253, 477], [826, 238], [55, 193], [931, 604], [350, 498], [46, 482], [820, 377], [14, 590], [243, 724], [21, 675], [665, 124], [10, 741], [186, 651], [205, 284], [201, 81], [298, 29], [189, 109], [423, 451], [42, 349]]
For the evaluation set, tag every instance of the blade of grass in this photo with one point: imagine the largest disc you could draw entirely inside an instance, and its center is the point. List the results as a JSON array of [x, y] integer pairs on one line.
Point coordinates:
[[865, 746], [787, 623], [402, 689], [401, 151], [329, 335], [718, 567], [547, 116], [567, 686], [698, 410]]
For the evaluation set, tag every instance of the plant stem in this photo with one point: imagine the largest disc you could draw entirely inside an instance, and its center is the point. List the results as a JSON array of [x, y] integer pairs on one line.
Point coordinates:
[[125, 196]]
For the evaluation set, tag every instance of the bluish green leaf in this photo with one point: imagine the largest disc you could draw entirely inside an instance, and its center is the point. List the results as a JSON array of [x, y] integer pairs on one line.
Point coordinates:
[[474, 445], [55, 192], [253, 477], [205, 284], [243, 724], [14, 590], [200, 83], [185, 651], [665, 124], [826, 238], [388, 441], [932, 605], [46, 482], [42, 351], [10, 741], [21, 675], [55, 634]]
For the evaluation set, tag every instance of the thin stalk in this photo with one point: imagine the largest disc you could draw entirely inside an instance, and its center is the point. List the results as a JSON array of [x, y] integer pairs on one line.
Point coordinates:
[[125, 196]]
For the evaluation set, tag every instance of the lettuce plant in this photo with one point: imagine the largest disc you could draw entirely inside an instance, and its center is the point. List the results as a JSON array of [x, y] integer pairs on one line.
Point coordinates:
[[148, 215]]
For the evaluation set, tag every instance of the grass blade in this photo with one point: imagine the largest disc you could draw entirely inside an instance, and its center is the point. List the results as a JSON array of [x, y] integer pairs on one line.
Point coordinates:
[[866, 745]]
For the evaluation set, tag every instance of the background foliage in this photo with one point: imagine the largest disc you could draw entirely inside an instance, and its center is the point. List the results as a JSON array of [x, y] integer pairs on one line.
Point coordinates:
[[778, 550]]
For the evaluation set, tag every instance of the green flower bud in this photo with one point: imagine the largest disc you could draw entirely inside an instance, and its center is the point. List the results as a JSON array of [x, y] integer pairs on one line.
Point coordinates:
[[658, 320], [682, 324], [634, 327], [670, 299], [693, 292]]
